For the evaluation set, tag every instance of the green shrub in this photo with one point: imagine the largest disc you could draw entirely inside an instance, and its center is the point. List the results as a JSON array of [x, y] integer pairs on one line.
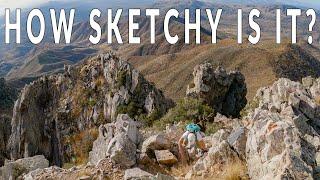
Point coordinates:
[[121, 79], [253, 104], [212, 128], [149, 120], [187, 110], [132, 109], [92, 102]]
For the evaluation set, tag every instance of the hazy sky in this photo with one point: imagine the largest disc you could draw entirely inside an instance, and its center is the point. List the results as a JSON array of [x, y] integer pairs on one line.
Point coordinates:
[[22, 3], [31, 3]]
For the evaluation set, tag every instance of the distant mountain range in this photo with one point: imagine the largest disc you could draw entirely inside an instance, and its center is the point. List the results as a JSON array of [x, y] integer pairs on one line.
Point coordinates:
[[23, 63]]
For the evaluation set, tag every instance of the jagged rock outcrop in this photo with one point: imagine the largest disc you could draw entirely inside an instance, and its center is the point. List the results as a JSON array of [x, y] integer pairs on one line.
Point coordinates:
[[54, 109], [225, 92], [14, 169], [119, 141], [35, 121], [283, 139]]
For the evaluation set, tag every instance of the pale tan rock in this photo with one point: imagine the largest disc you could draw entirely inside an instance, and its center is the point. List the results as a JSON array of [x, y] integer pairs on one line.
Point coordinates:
[[165, 157], [283, 137], [136, 173]]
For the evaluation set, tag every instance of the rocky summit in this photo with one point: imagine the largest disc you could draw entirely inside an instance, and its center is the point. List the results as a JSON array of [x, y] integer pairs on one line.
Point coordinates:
[[225, 92], [53, 112]]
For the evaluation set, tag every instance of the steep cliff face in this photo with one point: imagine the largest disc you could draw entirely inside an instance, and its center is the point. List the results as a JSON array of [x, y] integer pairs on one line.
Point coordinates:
[[52, 113], [34, 121]]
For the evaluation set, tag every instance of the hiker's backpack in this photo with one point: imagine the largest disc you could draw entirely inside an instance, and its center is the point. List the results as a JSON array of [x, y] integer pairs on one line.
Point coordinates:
[[193, 128]]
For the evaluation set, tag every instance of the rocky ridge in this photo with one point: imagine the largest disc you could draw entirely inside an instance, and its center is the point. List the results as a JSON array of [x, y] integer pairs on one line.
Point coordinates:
[[277, 137], [57, 108]]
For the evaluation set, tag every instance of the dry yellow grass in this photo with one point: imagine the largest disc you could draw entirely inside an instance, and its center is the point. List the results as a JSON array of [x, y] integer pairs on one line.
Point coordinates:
[[232, 171], [81, 143], [235, 171]]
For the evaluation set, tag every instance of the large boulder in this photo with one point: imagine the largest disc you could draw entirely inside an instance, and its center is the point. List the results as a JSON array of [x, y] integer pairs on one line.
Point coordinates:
[[122, 150], [156, 142], [165, 157], [14, 169], [100, 145], [225, 92], [283, 138], [151, 144], [237, 141], [118, 140], [129, 88]]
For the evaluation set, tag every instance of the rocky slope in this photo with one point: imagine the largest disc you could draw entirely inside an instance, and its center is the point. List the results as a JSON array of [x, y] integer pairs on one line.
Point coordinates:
[[277, 136], [278, 139], [53, 112]]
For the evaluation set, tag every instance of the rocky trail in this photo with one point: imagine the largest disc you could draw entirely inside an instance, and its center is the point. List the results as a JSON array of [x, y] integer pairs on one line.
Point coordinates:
[[94, 118]]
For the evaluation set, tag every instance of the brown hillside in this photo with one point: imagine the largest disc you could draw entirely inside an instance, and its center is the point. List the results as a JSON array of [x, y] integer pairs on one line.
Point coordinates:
[[261, 64]]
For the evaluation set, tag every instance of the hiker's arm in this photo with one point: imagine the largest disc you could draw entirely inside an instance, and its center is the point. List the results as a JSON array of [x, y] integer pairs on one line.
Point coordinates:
[[182, 141]]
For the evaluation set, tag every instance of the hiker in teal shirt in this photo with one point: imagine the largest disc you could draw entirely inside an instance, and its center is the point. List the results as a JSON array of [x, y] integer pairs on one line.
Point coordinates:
[[191, 142]]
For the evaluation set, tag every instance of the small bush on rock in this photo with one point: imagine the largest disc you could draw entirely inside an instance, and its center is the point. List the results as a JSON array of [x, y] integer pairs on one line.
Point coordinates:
[[187, 110], [132, 109]]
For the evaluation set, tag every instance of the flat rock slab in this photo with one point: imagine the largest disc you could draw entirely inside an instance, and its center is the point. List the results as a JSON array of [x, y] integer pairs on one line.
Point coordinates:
[[165, 157], [136, 173]]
